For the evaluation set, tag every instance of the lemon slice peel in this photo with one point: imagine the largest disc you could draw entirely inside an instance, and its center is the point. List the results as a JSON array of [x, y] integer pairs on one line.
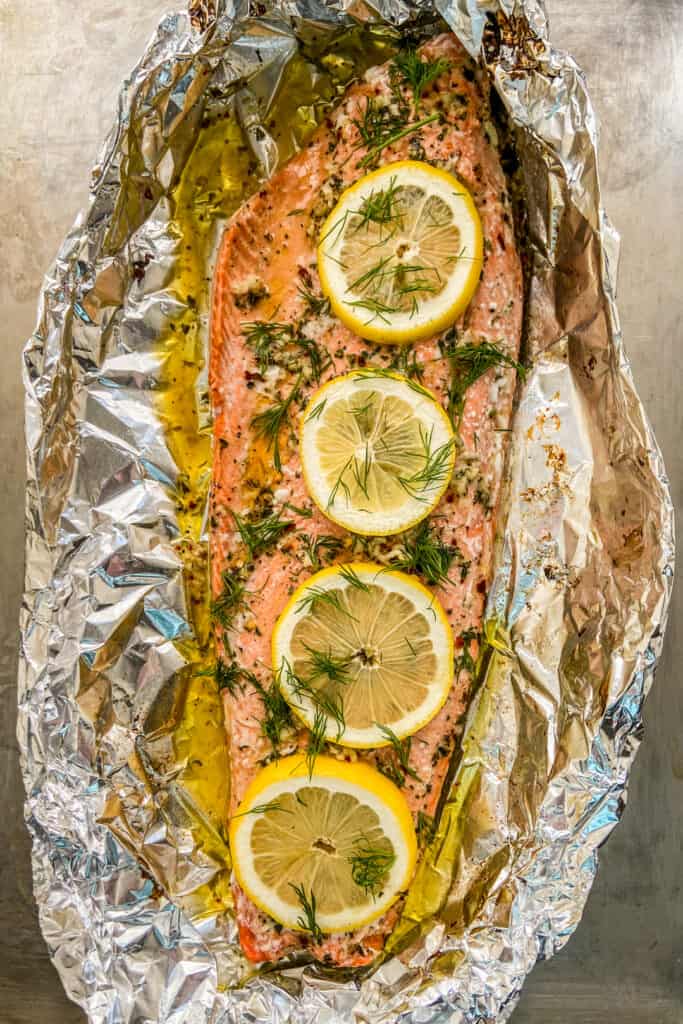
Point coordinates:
[[377, 451], [322, 854], [400, 255], [363, 654]]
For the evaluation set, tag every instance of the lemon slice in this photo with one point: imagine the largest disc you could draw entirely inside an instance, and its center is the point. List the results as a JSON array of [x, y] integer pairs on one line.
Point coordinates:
[[399, 257], [329, 852], [377, 451], [368, 650]]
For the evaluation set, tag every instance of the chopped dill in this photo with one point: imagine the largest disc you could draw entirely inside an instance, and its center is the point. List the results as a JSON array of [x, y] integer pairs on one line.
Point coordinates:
[[330, 706], [277, 344], [426, 828], [316, 596], [263, 338], [320, 549], [434, 470], [370, 866], [468, 363], [352, 578], [325, 663], [316, 740], [406, 362], [305, 513], [401, 749], [417, 73], [425, 554], [317, 411], [269, 423], [307, 922], [231, 677], [317, 305], [464, 661], [272, 805], [277, 715], [379, 127], [258, 535], [229, 601]]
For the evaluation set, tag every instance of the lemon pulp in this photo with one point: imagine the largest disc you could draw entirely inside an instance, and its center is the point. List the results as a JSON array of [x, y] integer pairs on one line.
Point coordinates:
[[400, 255], [339, 843], [377, 451], [370, 650]]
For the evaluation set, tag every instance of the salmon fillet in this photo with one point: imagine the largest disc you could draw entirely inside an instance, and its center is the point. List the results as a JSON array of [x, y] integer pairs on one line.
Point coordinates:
[[266, 273]]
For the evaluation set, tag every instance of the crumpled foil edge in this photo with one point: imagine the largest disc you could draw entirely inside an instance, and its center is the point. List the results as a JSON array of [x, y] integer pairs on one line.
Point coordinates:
[[125, 951]]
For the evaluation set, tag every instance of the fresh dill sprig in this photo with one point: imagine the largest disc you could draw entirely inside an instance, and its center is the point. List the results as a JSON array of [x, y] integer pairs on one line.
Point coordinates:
[[468, 363], [434, 470], [316, 305], [361, 468], [401, 749], [317, 595], [231, 677], [394, 277], [340, 483], [370, 372], [396, 136], [263, 338], [426, 828], [272, 805], [379, 207], [229, 601], [380, 310], [307, 922], [319, 358], [325, 663], [258, 535], [269, 423], [379, 127], [370, 866], [317, 411], [331, 706], [377, 123], [305, 513], [416, 73], [321, 548], [316, 740], [352, 578], [465, 661], [274, 343], [425, 554], [277, 714], [406, 362]]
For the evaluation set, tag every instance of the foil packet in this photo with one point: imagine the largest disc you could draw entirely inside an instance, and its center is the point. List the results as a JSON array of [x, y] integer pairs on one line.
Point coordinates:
[[119, 721]]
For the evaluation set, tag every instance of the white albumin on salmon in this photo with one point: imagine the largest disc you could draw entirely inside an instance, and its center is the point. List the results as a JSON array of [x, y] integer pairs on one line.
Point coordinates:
[[266, 272]]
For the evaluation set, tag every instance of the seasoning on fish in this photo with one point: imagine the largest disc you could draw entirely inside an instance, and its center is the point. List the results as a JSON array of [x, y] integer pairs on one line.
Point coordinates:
[[275, 341]]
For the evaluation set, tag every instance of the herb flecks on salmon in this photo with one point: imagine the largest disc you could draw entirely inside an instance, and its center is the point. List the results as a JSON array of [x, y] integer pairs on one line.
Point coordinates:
[[269, 358]]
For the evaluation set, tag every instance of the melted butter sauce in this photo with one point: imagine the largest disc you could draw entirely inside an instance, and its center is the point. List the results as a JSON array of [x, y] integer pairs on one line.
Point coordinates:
[[219, 175]]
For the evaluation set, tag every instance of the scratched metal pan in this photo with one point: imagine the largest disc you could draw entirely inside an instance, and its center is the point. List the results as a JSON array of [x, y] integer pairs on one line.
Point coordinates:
[[131, 866]]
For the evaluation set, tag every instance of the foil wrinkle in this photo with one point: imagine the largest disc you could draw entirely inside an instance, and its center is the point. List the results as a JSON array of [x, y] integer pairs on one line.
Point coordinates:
[[131, 904]]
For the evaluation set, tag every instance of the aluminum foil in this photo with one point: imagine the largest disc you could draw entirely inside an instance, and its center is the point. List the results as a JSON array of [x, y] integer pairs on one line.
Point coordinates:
[[130, 871]]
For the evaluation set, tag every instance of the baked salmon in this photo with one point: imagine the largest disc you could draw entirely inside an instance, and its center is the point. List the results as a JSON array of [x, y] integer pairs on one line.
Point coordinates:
[[267, 298]]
